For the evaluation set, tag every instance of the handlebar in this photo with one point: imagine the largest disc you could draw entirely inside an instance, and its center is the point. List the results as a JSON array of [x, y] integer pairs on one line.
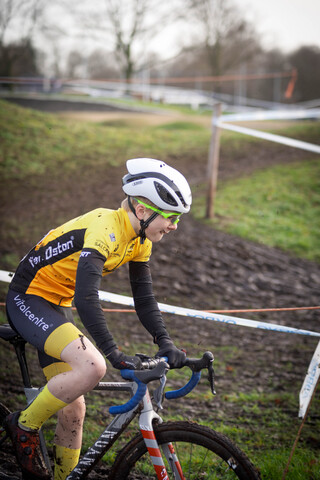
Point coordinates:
[[195, 365], [156, 369], [141, 377], [135, 400], [194, 380]]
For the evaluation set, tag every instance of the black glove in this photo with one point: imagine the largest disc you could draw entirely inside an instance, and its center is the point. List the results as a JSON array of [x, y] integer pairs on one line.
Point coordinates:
[[176, 357], [120, 361]]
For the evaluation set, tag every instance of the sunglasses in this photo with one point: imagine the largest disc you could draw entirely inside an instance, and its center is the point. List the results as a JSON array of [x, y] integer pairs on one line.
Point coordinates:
[[173, 217]]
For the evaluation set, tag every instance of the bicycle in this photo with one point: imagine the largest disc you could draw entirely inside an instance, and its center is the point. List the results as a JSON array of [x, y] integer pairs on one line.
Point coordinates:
[[180, 450]]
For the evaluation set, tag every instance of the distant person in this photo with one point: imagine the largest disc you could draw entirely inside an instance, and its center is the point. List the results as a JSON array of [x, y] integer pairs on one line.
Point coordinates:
[[67, 264]]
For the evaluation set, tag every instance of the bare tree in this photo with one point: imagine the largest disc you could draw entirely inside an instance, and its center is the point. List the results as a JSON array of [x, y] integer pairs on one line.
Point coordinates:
[[127, 27], [19, 13], [126, 32], [17, 16], [74, 63], [271, 89], [306, 60], [102, 65], [228, 39]]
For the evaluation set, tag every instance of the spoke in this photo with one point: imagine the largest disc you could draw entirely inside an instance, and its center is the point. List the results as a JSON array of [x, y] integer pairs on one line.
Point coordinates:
[[203, 461], [190, 459]]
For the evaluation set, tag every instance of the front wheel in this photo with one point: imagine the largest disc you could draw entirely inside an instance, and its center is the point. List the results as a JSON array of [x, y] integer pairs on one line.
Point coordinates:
[[202, 453]]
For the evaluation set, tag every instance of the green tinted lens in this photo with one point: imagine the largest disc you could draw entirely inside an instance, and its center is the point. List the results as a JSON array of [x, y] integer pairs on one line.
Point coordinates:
[[173, 217]]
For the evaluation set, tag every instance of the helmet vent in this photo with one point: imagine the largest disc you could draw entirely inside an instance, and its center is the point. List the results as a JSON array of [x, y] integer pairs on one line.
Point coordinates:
[[165, 195], [133, 178]]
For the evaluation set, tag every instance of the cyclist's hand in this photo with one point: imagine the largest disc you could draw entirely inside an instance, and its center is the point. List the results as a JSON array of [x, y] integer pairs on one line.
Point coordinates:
[[176, 357], [120, 361]]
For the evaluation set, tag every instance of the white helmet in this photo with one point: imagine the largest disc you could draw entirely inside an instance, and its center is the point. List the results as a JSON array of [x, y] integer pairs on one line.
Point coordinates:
[[153, 179]]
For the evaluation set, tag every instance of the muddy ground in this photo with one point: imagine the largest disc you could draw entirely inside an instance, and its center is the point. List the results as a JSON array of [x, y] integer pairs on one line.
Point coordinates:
[[201, 268]]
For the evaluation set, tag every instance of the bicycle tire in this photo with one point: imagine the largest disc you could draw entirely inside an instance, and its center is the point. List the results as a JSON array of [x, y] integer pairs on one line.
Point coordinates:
[[223, 459]]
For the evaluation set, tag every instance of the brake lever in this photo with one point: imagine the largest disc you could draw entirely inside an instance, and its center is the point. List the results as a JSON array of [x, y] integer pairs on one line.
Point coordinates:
[[209, 358], [159, 392], [206, 361], [211, 379]]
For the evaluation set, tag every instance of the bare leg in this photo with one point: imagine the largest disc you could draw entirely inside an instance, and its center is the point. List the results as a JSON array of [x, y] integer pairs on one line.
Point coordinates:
[[88, 367], [68, 438], [70, 423]]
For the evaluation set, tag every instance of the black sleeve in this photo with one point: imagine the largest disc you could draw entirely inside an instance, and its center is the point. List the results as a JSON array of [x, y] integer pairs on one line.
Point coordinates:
[[86, 299], [145, 303]]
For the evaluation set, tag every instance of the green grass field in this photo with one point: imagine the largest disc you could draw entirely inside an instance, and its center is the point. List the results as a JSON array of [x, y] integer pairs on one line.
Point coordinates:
[[279, 206]]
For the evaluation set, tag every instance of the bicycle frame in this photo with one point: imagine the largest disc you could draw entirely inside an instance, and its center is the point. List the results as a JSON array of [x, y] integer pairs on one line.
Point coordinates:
[[108, 436], [115, 429], [146, 427]]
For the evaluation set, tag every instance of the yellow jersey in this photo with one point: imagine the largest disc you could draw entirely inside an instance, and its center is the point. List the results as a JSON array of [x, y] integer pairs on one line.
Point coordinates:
[[49, 269]]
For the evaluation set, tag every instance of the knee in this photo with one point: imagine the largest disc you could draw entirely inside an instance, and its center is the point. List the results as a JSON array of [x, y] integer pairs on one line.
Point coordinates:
[[98, 364], [102, 368], [93, 370], [86, 362]]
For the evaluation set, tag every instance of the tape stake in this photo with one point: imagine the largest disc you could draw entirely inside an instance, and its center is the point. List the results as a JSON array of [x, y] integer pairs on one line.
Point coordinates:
[[309, 383]]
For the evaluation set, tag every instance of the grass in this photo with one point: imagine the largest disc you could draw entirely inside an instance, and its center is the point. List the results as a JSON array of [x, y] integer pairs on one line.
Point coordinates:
[[34, 143], [307, 131], [279, 207]]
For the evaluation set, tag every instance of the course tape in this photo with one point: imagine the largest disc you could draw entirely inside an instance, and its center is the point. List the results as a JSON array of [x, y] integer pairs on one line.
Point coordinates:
[[271, 137], [189, 312], [272, 115], [223, 122]]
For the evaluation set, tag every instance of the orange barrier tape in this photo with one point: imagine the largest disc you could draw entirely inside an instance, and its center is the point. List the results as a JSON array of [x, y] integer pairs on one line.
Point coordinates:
[[125, 310]]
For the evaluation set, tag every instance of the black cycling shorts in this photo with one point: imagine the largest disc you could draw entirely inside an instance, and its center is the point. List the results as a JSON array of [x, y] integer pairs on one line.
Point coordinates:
[[48, 327]]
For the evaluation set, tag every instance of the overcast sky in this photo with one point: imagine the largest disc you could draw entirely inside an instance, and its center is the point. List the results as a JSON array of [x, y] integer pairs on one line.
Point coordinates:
[[283, 24], [286, 24]]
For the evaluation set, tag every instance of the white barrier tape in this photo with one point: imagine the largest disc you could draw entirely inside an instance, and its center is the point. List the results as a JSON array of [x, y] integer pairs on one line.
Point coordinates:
[[272, 115], [270, 136], [189, 312], [310, 382], [5, 276]]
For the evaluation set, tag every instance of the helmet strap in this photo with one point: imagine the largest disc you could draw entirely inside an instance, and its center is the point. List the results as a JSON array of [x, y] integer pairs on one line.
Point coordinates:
[[133, 210], [144, 224]]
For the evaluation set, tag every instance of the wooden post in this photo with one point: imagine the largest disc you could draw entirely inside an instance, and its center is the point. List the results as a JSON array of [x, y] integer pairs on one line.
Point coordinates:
[[213, 161]]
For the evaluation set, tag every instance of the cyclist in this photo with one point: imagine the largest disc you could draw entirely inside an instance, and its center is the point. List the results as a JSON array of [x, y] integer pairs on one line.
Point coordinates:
[[67, 264]]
